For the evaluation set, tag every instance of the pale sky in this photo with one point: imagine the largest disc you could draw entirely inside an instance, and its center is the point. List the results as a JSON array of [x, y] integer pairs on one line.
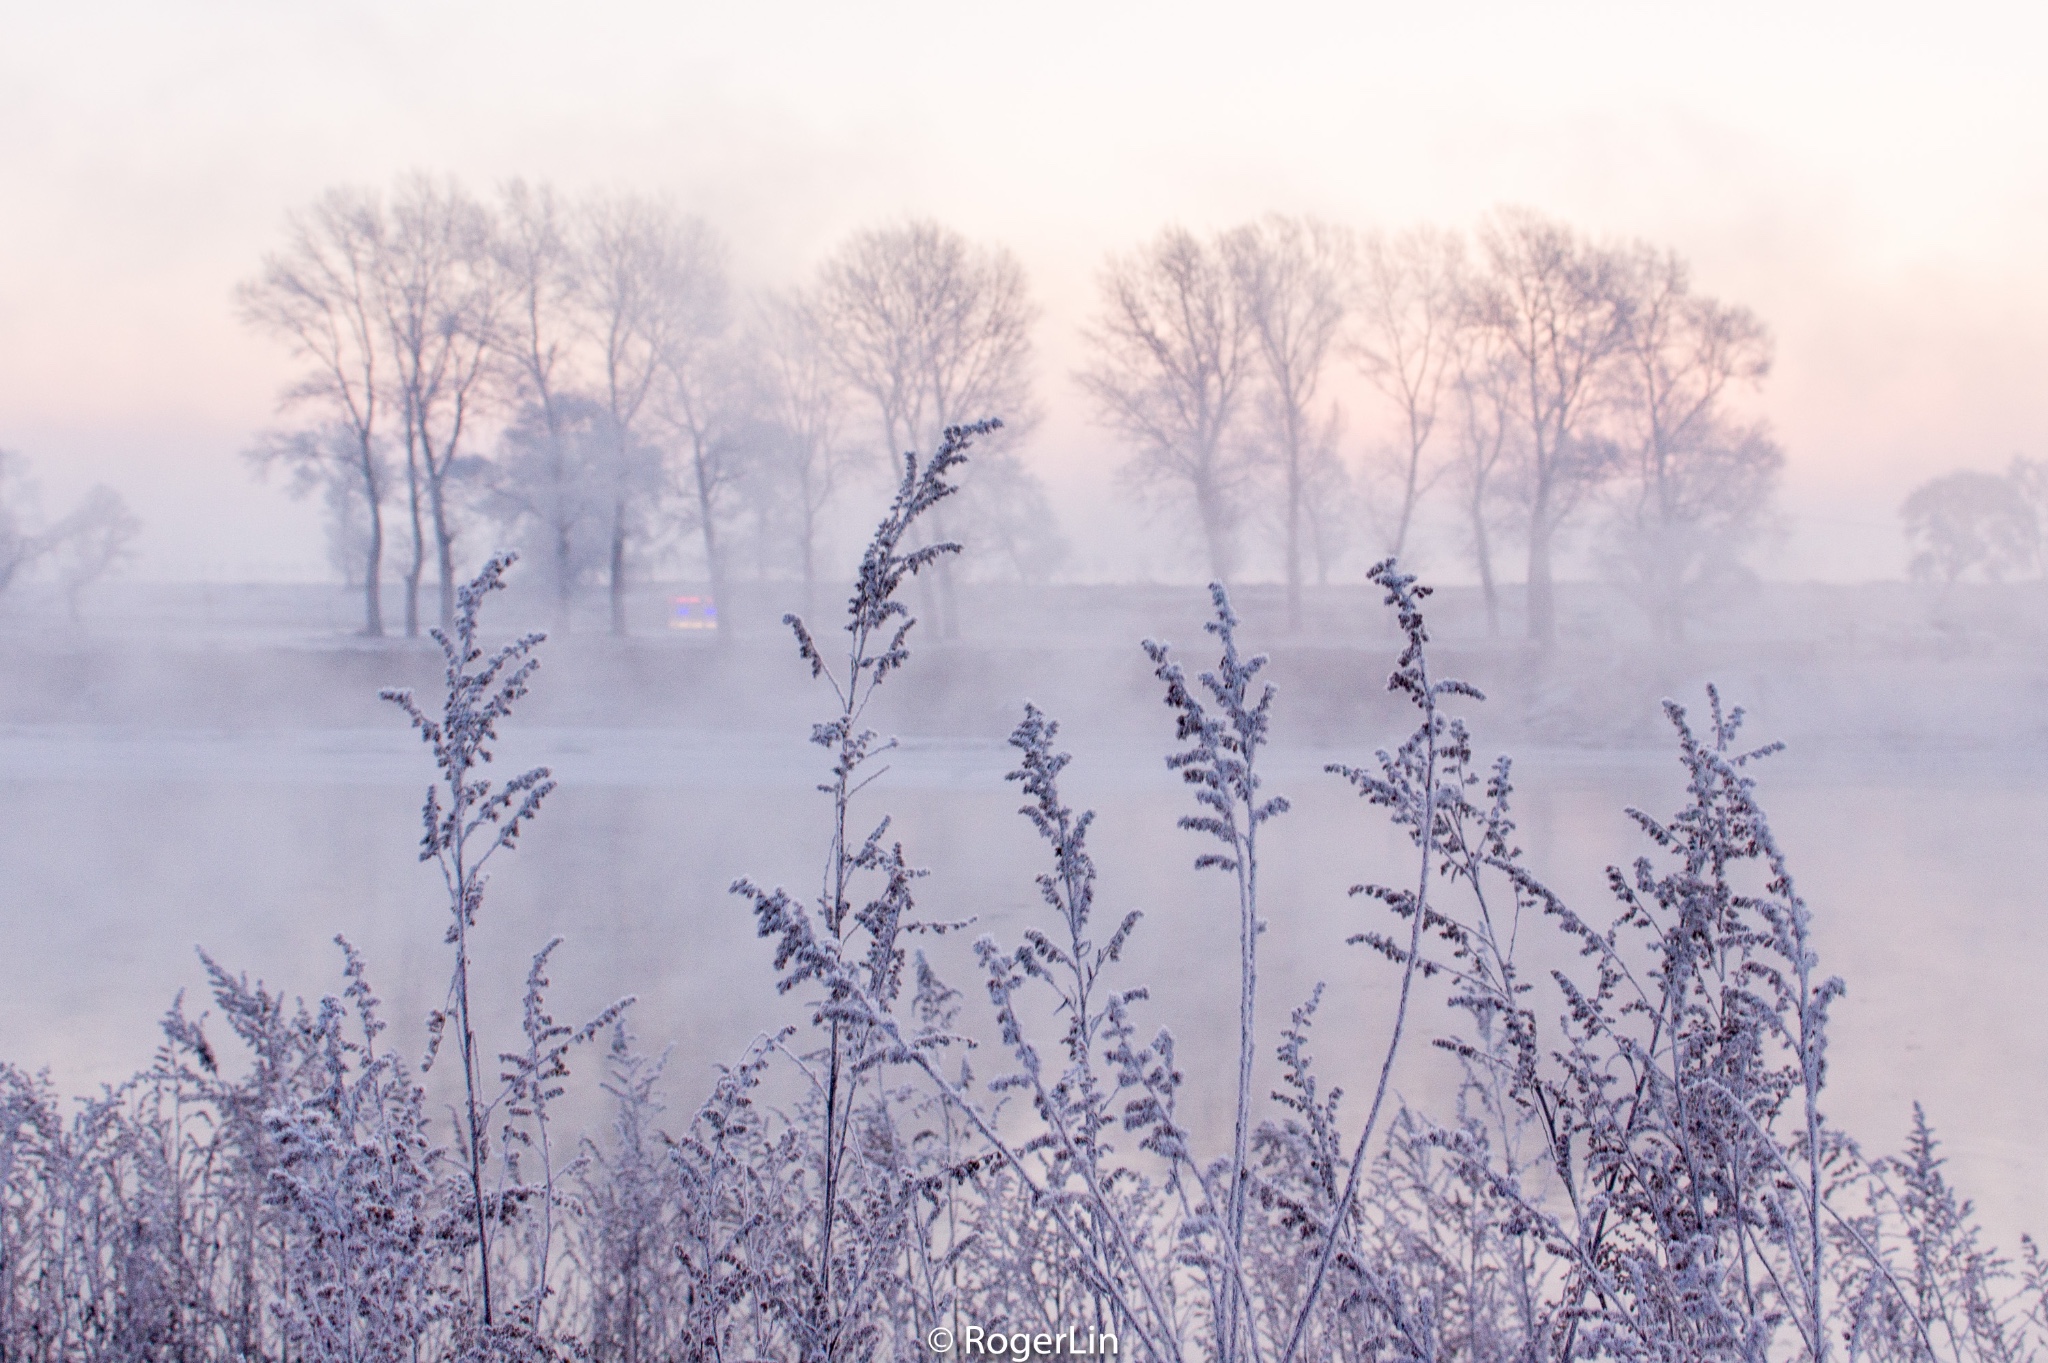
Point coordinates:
[[1871, 179]]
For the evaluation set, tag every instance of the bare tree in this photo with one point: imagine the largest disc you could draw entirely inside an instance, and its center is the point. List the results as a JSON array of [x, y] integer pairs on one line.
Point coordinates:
[[1487, 432], [96, 538], [1294, 274], [708, 404], [535, 249], [93, 539], [1676, 542], [443, 301], [804, 400], [1175, 352], [1412, 304], [639, 259], [935, 332], [548, 485], [704, 397], [1698, 481], [1556, 301], [1970, 521], [547, 482], [321, 295]]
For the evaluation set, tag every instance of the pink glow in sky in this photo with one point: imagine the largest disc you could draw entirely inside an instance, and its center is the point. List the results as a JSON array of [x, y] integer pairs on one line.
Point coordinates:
[[1871, 179]]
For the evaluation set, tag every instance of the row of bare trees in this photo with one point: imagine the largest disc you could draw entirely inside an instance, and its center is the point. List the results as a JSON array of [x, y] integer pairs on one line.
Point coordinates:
[[586, 374], [1532, 370]]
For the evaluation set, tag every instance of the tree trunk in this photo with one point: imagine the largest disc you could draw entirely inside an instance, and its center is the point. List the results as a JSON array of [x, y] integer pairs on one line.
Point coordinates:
[[565, 571], [1482, 551], [564, 577], [373, 568], [810, 556], [1672, 552], [714, 561], [618, 573], [1541, 590], [373, 575], [1409, 496], [444, 551], [1214, 532], [1294, 498], [418, 567]]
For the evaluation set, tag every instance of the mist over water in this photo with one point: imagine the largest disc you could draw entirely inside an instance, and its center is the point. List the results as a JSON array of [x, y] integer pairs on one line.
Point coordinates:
[[239, 788]]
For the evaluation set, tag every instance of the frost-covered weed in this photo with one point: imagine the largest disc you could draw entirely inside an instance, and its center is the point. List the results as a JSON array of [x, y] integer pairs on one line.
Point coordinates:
[[1637, 1164], [1110, 1257], [1223, 738], [467, 822], [288, 1211], [873, 1259], [364, 1239], [1676, 1100]]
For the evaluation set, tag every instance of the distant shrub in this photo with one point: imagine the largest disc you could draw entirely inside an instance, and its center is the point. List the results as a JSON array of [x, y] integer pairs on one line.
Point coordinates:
[[1971, 521]]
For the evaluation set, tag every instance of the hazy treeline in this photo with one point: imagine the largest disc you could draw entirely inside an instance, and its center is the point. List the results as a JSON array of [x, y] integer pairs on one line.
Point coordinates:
[[586, 375]]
